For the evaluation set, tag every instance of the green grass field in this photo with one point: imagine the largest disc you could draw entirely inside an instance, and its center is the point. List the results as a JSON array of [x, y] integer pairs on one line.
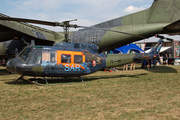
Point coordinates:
[[140, 95]]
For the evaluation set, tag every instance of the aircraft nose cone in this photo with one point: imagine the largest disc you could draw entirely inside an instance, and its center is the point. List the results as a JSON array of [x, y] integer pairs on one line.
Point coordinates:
[[9, 66]]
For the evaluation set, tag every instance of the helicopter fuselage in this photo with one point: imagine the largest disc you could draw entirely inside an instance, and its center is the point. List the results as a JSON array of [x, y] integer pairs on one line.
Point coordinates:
[[62, 60], [69, 60]]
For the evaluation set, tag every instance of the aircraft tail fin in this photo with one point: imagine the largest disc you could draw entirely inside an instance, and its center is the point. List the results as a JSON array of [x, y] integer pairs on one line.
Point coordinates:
[[164, 11], [156, 49]]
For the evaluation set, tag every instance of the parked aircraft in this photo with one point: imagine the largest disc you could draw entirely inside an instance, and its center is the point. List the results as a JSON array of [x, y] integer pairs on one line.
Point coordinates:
[[70, 60]]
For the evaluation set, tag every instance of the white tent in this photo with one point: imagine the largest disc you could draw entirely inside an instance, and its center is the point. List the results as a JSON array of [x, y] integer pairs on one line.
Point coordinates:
[[162, 49]]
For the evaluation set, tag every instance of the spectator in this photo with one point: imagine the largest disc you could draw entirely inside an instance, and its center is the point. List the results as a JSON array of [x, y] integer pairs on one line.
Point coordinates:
[[154, 62], [149, 64], [166, 59], [125, 67], [161, 59], [132, 66]]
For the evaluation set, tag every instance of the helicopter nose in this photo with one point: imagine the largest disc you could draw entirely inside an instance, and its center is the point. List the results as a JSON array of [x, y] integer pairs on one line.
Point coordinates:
[[10, 67]]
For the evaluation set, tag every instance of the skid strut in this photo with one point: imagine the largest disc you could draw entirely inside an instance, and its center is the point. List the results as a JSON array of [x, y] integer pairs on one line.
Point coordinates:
[[81, 79], [21, 78], [46, 80]]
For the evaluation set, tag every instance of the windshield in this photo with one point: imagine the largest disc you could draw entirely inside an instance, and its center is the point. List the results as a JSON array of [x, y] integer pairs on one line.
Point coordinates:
[[25, 54], [36, 57]]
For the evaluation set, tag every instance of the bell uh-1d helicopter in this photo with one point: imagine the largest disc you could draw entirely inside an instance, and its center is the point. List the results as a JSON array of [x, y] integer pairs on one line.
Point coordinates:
[[70, 60]]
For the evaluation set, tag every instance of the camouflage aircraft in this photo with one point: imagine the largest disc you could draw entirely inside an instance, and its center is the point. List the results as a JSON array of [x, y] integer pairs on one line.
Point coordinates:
[[163, 17]]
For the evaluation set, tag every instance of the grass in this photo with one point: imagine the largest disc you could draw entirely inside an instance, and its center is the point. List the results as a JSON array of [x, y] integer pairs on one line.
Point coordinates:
[[140, 94]]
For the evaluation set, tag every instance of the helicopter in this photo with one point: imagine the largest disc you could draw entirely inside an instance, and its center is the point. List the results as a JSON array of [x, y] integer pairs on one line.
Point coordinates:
[[161, 18], [71, 60]]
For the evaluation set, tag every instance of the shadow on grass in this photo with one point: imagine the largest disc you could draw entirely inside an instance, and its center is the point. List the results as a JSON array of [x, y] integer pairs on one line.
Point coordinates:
[[4, 72], [73, 80], [161, 69]]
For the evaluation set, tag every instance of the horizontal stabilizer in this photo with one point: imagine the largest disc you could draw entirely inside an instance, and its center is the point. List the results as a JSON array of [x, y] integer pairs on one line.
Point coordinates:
[[152, 54]]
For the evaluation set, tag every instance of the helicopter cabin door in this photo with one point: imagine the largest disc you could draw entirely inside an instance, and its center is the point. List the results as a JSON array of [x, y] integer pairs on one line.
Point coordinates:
[[72, 60]]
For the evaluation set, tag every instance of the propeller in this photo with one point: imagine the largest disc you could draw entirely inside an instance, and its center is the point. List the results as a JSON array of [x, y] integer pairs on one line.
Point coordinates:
[[64, 24]]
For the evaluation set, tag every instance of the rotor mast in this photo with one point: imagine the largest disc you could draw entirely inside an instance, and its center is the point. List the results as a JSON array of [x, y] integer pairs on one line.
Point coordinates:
[[66, 27]]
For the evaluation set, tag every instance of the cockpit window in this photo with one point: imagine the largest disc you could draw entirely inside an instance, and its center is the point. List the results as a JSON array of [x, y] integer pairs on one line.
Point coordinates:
[[25, 54], [78, 59], [52, 56], [65, 58], [36, 57]]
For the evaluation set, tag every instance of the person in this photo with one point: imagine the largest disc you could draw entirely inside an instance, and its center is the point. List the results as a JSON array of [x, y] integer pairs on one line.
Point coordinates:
[[154, 62], [161, 59], [132, 66], [144, 64], [114, 68], [149, 64], [166, 59], [107, 69], [125, 67]]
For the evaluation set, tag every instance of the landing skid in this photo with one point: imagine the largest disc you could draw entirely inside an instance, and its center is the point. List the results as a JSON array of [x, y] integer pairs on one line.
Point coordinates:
[[21, 78], [36, 81]]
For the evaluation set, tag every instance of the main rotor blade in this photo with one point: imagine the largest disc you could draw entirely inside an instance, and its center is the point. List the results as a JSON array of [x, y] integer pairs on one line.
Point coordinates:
[[112, 31], [63, 24], [30, 21]]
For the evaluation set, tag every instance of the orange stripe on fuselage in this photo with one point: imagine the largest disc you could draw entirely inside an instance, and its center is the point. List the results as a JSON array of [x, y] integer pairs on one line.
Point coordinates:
[[72, 53]]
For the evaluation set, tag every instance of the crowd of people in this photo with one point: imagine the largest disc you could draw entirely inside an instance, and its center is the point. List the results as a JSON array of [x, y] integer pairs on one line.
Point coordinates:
[[154, 61]]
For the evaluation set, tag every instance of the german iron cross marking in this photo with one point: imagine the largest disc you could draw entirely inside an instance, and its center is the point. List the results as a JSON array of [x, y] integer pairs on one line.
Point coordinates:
[[115, 61]]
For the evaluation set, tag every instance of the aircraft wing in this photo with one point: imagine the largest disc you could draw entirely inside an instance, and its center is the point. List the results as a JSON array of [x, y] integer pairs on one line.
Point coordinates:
[[11, 29], [175, 27]]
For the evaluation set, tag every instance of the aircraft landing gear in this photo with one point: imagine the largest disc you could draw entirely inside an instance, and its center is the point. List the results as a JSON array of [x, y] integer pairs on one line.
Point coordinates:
[[46, 80], [36, 81], [81, 79], [21, 78]]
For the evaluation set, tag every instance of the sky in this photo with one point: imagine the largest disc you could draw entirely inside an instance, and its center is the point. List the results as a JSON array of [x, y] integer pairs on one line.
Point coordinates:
[[87, 12]]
